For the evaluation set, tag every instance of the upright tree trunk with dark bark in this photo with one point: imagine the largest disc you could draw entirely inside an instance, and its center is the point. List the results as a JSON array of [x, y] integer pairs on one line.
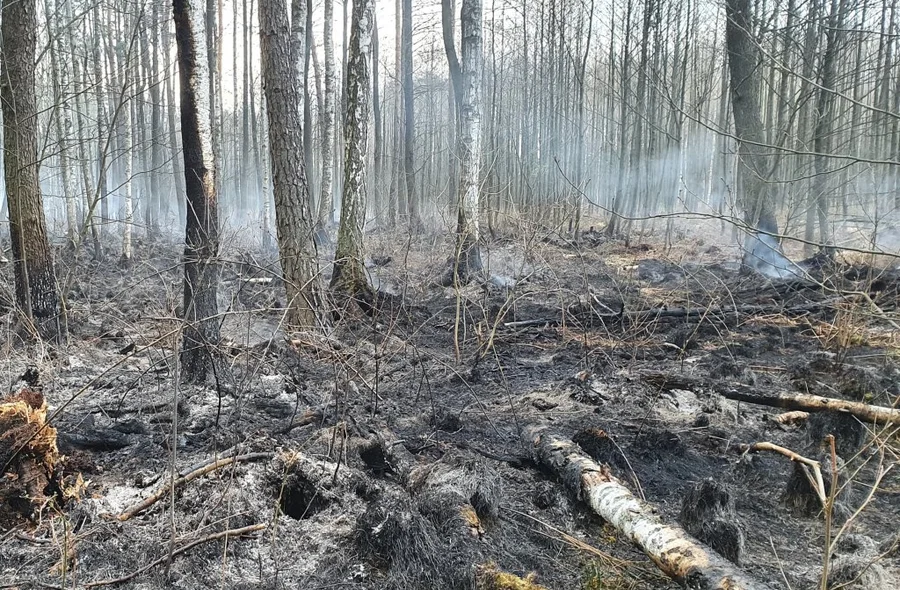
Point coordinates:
[[448, 15], [177, 156], [409, 122], [201, 267], [744, 65], [467, 261], [349, 273], [825, 120], [293, 216], [36, 289]]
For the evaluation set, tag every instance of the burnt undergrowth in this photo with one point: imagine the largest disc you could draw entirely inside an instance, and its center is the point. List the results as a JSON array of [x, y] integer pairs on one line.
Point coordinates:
[[399, 460]]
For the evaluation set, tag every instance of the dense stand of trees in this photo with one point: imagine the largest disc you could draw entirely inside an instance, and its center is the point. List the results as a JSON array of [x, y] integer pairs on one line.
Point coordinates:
[[782, 113], [618, 106]]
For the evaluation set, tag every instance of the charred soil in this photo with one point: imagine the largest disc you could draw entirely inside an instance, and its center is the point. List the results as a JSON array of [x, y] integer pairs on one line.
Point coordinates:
[[389, 452]]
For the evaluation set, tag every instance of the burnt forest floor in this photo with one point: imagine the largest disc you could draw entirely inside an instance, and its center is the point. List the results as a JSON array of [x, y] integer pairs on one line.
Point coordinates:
[[576, 337]]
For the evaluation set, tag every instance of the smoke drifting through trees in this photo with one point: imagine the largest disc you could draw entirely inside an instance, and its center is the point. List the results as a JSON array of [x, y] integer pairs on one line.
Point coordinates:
[[589, 106]]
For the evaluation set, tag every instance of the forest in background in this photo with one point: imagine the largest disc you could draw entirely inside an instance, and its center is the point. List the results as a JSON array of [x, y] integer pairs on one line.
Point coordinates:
[[594, 106]]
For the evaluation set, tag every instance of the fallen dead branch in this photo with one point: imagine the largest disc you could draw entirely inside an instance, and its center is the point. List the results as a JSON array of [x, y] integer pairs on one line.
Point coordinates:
[[789, 401], [229, 534], [209, 467], [813, 403], [309, 416], [815, 478], [683, 313], [678, 555]]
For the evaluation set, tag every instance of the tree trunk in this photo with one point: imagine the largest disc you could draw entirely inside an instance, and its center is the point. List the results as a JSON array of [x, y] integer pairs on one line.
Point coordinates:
[[307, 107], [614, 227], [176, 155], [62, 120], [409, 124], [825, 120], [156, 132], [128, 221], [326, 201], [349, 273], [379, 134], [293, 217], [201, 267], [448, 15], [87, 178], [104, 131], [467, 262], [36, 290], [247, 157], [743, 64], [262, 197]]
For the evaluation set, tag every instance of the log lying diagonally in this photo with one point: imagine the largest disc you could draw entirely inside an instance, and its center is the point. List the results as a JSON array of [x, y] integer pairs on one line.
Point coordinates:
[[677, 554], [786, 400]]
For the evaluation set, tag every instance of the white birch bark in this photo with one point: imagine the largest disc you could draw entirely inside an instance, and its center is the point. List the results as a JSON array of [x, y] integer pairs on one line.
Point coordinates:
[[677, 554]]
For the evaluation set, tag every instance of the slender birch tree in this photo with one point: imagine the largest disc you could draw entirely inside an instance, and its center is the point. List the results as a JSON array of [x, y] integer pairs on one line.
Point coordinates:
[[201, 267], [349, 273], [467, 262]]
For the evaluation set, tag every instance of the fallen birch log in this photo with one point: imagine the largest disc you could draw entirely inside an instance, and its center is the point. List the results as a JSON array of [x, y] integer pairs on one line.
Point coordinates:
[[789, 401], [813, 403], [677, 554]]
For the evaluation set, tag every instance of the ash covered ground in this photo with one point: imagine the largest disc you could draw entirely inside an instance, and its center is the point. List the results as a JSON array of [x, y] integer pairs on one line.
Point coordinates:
[[371, 438]]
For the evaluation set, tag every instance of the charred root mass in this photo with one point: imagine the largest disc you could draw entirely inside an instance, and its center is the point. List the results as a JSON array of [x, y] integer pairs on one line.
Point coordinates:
[[28, 451], [350, 283], [466, 266], [707, 512]]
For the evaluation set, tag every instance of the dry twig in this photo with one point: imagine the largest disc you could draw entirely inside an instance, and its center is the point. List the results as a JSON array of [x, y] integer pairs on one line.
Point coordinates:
[[230, 533], [209, 467]]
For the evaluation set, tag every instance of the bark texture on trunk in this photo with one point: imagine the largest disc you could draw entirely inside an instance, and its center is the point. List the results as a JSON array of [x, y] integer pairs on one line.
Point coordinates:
[[326, 200], [757, 199], [677, 554], [409, 121], [468, 252], [201, 267], [349, 272], [293, 218], [36, 289]]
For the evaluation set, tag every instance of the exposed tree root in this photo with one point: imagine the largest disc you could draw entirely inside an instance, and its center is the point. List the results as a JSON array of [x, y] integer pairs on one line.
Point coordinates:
[[678, 555], [27, 449]]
